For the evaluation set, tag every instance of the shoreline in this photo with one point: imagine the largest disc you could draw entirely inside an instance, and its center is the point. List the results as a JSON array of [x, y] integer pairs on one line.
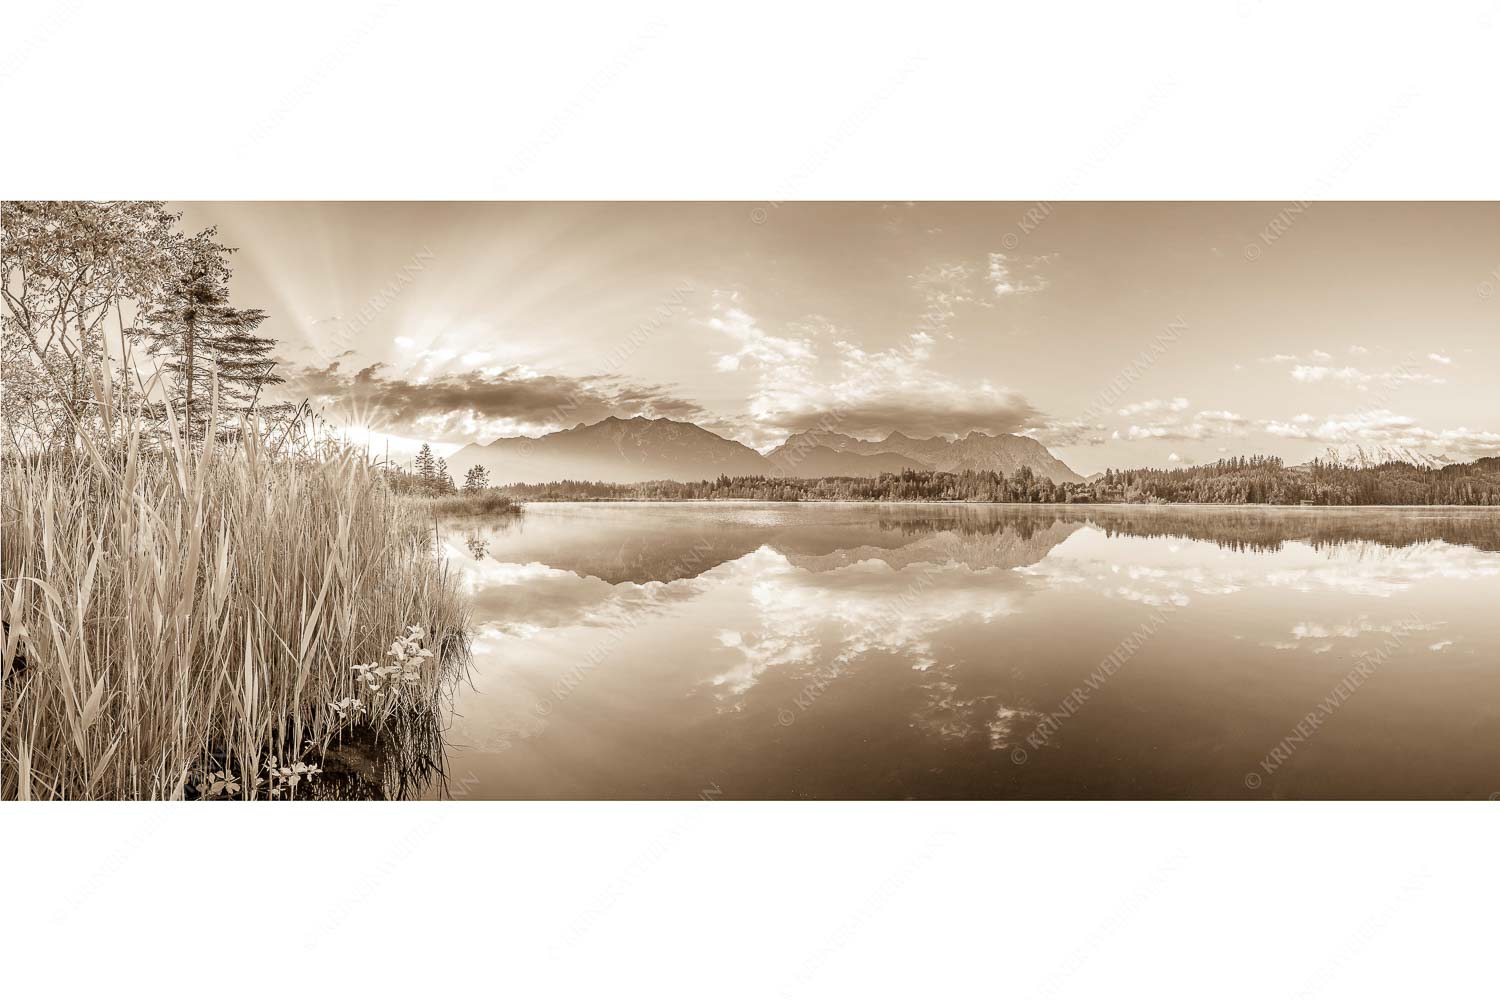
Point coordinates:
[[1030, 506]]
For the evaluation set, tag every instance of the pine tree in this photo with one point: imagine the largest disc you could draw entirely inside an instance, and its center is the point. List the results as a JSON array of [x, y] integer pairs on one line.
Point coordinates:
[[426, 465], [204, 339], [476, 479], [441, 479]]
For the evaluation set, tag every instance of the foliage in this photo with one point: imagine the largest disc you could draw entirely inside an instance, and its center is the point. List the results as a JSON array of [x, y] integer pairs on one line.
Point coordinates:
[[476, 479], [478, 502], [206, 344], [68, 269], [1254, 480], [176, 610], [72, 273], [429, 477]]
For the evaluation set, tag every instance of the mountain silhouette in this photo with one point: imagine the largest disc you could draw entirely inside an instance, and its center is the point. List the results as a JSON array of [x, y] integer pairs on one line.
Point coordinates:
[[641, 448]]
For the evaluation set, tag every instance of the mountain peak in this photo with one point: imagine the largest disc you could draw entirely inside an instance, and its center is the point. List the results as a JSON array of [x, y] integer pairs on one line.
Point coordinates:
[[1355, 455], [635, 449]]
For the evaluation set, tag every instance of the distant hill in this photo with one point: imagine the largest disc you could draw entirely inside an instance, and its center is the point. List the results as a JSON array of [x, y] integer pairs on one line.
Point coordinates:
[[1003, 453], [640, 449], [820, 461], [614, 451]]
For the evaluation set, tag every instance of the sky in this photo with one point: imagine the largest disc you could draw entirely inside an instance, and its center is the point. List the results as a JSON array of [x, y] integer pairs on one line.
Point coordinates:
[[1118, 334]]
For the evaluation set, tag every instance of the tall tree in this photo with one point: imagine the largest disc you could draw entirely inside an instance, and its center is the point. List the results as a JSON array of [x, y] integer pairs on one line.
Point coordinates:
[[441, 479], [68, 269], [426, 465], [204, 340], [476, 479]]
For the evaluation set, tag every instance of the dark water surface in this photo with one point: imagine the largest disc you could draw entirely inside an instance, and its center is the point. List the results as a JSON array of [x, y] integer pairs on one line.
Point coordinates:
[[743, 650]]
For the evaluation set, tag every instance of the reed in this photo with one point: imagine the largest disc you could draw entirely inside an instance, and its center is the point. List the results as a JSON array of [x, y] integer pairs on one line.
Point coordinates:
[[482, 502], [178, 614]]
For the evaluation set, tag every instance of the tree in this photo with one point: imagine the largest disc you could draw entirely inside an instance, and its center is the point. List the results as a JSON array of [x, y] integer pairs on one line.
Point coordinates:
[[426, 465], [68, 269], [441, 479], [476, 479], [206, 341]]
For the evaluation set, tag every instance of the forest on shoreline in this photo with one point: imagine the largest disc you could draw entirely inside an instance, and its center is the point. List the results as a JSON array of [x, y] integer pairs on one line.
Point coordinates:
[[1252, 480]]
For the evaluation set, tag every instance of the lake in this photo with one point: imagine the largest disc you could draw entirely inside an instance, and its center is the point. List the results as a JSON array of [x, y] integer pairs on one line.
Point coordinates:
[[828, 651]]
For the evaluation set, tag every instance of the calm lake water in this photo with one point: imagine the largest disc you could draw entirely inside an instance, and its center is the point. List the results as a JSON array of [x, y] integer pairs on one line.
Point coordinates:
[[743, 650]]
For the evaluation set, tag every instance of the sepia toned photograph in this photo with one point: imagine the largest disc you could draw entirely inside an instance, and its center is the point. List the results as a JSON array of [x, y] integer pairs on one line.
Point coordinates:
[[786, 502], [750, 500]]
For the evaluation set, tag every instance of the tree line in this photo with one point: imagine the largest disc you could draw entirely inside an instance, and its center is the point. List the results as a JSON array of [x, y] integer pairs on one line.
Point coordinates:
[[429, 476], [1255, 479]]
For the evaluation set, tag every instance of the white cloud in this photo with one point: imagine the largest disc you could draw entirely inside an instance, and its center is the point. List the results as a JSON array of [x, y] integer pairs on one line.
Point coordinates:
[[1176, 405], [1012, 275], [1172, 423], [944, 286], [1358, 377], [813, 376], [1385, 427], [1060, 433], [755, 343]]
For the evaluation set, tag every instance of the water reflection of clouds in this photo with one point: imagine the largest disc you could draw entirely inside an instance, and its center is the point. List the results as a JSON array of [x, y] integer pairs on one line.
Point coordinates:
[[835, 617], [1136, 569], [1319, 638], [522, 599], [815, 626], [790, 613]]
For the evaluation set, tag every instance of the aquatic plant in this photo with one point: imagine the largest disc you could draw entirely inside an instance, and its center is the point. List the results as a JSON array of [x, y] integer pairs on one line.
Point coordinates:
[[178, 612]]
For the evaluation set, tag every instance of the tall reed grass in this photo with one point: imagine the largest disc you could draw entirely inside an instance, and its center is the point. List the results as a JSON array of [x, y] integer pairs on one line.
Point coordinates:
[[480, 503], [179, 614]]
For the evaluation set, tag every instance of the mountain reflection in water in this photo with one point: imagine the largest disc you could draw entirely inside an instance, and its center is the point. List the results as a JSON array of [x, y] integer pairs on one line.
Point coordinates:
[[642, 650]]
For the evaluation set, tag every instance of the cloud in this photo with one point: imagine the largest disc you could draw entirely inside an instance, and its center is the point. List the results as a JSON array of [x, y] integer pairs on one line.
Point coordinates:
[[1385, 427], [1009, 274], [1313, 371], [1170, 421], [810, 375], [1360, 378], [754, 343], [1155, 406], [1061, 433], [944, 288], [475, 405]]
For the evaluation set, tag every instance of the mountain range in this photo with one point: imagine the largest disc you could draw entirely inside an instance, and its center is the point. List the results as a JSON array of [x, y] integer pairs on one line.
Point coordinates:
[[813, 454], [1368, 456], [638, 449]]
